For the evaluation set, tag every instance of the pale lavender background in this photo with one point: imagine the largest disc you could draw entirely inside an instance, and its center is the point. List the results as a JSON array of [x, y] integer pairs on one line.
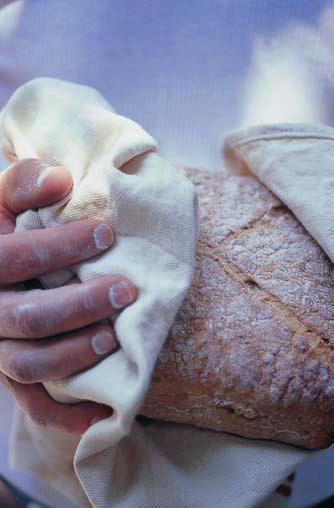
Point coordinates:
[[178, 67]]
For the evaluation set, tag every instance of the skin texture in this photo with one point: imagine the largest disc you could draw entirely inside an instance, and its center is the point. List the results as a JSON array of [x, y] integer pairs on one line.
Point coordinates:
[[48, 335]]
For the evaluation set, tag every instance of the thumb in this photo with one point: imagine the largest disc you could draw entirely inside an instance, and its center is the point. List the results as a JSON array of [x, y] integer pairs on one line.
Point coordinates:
[[30, 183]]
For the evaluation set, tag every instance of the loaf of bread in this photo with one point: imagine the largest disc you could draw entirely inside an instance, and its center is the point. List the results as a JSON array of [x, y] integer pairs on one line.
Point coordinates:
[[251, 351]]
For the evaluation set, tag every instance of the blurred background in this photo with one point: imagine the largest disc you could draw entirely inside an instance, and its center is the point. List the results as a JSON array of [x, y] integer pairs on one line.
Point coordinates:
[[189, 71]]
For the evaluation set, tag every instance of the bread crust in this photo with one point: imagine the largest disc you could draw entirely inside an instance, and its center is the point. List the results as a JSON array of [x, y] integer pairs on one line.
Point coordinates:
[[251, 349]]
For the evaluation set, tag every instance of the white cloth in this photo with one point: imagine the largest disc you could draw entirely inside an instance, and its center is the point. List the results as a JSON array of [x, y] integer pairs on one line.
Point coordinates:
[[117, 175], [296, 162], [156, 465], [159, 84]]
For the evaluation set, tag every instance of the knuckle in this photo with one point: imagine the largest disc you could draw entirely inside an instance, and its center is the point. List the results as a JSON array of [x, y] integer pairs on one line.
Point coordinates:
[[35, 405], [28, 323], [20, 368], [37, 417], [17, 320], [24, 168]]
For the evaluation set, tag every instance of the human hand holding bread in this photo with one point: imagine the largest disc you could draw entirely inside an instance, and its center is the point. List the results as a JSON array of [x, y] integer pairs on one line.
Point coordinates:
[[211, 361], [52, 334], [248, 352]]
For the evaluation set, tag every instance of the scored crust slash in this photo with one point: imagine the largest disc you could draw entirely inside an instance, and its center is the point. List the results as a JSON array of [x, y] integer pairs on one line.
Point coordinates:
[[251, 351]]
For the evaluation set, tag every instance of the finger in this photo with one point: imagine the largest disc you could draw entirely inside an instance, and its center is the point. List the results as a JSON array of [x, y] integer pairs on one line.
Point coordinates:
[[56, 357], [30, 183], [43, 410], [30, 254], [43, 313]]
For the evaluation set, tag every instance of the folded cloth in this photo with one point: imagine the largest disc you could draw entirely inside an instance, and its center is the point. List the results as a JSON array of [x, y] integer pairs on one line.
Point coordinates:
[[118, 176], [296, 162], [153, 210]]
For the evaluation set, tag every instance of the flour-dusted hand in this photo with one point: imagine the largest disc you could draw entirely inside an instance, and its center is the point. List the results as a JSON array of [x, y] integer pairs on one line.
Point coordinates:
[[118, 175], [48, 335]]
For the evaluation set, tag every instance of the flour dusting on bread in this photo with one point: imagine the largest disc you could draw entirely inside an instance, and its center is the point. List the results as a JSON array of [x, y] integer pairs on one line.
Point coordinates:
[[251, 350]]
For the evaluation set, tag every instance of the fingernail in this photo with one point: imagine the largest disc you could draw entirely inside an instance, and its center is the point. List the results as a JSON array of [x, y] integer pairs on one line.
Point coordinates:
[[103, 342], [103, 236], [44, 174], [121, 294]]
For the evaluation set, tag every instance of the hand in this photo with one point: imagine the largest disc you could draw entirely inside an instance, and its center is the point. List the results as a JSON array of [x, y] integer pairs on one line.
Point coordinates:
[[48, 335]]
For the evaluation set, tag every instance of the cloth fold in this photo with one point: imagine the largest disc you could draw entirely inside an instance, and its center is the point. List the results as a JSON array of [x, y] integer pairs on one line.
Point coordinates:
[[296, 162], [156, 465], [117, 176]]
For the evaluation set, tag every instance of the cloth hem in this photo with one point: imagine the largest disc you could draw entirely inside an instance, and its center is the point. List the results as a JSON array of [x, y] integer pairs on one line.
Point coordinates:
[[278, 131]]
